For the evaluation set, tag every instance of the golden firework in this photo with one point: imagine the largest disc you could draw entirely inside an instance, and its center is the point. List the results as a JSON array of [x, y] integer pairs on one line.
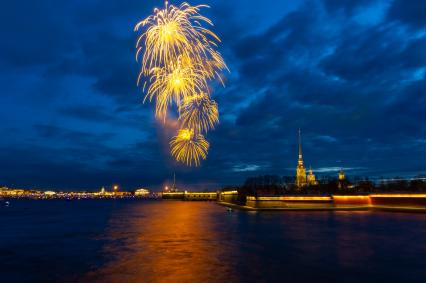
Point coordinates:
[[178, 59], [199, 112], [189, 148], [174, 83], [175, 31]]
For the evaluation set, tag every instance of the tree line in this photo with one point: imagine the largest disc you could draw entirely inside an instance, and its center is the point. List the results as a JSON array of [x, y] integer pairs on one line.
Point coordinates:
[[270, 185]]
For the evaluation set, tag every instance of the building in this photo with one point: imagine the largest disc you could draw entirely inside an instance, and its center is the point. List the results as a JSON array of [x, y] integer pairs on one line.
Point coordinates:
[[302, 179], [342, 176], [312, 180], [300, 170], [141, 192], [50, 193], [8, 192], [343, 184], [200, 196]]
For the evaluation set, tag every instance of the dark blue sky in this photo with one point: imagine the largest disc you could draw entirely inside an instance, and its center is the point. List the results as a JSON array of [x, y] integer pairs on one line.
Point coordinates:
[[350, 73]]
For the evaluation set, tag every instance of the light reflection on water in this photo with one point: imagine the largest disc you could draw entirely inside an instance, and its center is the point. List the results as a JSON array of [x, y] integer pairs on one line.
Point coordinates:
[[202, 242], [172, 241]]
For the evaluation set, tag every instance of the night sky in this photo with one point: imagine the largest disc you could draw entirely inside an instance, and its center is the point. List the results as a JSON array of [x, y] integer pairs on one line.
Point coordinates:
[[349, 73]]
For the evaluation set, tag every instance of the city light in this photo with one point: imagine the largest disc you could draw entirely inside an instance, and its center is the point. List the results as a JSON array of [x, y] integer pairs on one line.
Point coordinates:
[[398, 196], [290, 198]]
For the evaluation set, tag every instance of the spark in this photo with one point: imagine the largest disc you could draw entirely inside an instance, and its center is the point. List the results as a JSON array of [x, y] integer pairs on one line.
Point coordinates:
[[175, 31], [200, 113], [178, 59], [175, 83], [189, 148]]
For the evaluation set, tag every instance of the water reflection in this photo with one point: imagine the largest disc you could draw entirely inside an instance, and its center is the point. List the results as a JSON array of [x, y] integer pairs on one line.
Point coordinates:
[[172, 242], [202, 242]]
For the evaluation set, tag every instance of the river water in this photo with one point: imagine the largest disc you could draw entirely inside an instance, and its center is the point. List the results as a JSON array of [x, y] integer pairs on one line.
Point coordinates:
[[173, 241]]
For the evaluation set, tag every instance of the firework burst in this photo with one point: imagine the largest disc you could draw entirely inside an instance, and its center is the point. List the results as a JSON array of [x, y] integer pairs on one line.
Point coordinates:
[[175, 83], [178, 59], [189, 148], [175, 31], [200, 113]]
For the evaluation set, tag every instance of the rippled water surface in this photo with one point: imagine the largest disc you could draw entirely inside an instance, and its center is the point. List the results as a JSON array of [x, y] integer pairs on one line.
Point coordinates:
[[171, 241]]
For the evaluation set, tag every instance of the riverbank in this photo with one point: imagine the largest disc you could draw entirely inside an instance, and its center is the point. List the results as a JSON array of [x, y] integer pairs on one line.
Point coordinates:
[[413, 203], [328, 208]]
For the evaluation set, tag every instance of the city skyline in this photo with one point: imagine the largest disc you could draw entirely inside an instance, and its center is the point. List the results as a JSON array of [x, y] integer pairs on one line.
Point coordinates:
[[350, 74]]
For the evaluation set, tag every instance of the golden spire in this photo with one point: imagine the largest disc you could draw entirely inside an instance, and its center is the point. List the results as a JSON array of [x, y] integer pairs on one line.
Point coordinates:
[[300, 170], [300, 143], [300, 148]]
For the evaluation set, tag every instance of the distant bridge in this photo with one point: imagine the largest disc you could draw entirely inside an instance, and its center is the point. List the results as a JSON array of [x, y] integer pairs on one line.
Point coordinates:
[[202, 196]]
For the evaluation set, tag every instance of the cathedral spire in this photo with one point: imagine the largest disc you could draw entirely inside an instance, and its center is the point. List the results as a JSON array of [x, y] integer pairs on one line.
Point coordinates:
[[300, 146], [300, 170]]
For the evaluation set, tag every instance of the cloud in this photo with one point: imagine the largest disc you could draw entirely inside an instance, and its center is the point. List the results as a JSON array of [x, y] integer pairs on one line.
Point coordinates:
[[337, 169], [350, 73], [328, 139], [348, 6], [87, 112], [411, 13], [246, 167]]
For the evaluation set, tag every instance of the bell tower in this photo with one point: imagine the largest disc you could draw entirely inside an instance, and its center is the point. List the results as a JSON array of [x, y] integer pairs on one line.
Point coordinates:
[[312, 180]]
